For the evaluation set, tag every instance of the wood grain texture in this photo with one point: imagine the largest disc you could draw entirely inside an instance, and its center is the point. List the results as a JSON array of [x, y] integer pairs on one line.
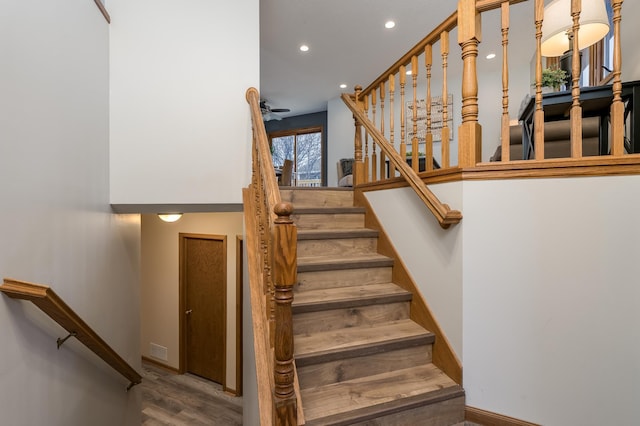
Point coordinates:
[[334, 263], [443, 354], [445, 216], [51, 304], [308, 281], [488, 418], [203, 289], [364, 364], [336, 246], [381, 391], [239, 313], [617, 106], [361, 316], [169, 398], [504, 127], [284, 259], [259, 324], [358, 341], [349, 297]]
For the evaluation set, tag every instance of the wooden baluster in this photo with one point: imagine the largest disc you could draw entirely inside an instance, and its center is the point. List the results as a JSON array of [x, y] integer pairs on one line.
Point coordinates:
[[576, 110], [381, 160], [415, 156], [392, 88], [444, 47], [470, 131], [374, 156], [617, 106], [538, 115], [285, 263], [359, 171], [428, 135], [504, 129], [403, 136], [270, 283], [366, 141]]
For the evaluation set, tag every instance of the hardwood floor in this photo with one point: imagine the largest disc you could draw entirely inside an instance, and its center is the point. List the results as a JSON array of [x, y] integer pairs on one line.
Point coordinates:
[[185, 399]]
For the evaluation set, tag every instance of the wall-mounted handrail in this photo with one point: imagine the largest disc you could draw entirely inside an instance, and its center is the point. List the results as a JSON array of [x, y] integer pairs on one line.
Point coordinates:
[[51, 304], [445, 216]]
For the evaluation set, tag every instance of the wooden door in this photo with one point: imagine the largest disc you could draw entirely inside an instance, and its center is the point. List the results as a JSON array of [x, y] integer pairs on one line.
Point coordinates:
[[203, 284]]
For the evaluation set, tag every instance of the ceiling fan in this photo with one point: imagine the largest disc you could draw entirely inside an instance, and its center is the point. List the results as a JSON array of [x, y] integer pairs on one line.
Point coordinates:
[[269, 113]]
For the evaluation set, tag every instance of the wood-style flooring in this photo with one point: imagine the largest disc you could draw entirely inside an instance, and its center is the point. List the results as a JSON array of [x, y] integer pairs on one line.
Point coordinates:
[[185, 399]]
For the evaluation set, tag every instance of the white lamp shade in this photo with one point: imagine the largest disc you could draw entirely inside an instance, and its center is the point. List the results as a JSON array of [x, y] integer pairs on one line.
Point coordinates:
[[594, 25]]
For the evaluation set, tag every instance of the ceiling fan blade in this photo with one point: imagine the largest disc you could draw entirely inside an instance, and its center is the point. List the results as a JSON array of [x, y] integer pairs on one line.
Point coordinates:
[[280, 110]]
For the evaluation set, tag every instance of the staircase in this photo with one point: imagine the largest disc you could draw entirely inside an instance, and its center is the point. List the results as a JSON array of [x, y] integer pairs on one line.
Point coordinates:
[[360, 358]]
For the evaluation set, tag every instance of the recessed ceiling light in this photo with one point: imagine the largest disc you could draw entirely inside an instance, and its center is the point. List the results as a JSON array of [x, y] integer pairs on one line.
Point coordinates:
[[491, 55], [343, 86], [389, 24], [304, 48], [408, 72]]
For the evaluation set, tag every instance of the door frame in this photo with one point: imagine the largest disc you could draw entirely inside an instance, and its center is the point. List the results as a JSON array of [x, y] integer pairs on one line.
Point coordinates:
[[182, 300], [239, 313]]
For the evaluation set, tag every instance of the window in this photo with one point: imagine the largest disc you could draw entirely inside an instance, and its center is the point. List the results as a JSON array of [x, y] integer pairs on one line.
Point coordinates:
[[601, 55], [304, 148]]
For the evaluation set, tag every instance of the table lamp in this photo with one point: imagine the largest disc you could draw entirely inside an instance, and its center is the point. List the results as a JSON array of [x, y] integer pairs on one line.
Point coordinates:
[[557, 36]]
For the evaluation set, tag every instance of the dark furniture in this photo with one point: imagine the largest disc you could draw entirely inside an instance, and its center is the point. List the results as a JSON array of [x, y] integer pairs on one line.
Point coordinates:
[[421, 164], [595, 102]]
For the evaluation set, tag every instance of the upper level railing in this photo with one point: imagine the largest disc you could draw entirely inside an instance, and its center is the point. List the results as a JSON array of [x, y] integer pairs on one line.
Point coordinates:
[[271, 251], [410, 106], [52, 305]]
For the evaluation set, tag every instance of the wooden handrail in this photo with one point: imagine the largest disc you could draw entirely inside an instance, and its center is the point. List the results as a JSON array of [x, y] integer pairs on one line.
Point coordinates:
[[271, 248], [447, 25], [445, 216], [260, 133], [51, 304]]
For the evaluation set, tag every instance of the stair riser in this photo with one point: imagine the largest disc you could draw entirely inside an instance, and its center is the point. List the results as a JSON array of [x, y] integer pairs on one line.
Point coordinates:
[[352, 368], [343, 278], [317, 198], [442, 413], [329, 221], [314, 322], [336, 247]]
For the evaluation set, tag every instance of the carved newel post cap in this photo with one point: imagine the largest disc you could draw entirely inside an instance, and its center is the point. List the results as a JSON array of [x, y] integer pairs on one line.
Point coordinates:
[[283, 211]]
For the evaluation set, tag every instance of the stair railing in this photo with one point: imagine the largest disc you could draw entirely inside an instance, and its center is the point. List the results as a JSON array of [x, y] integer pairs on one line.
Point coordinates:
[[52, 305], [421, 125], [271, 251], [445, 216]]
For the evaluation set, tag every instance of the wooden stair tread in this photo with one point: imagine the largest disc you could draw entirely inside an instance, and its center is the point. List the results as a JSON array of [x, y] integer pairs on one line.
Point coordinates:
[[321, 234], [328, 210], [373, 396], [347, 297], [347, 261], [357, 341]]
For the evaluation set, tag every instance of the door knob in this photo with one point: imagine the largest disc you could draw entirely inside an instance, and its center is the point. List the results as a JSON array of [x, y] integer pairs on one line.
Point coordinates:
[[188, 312]]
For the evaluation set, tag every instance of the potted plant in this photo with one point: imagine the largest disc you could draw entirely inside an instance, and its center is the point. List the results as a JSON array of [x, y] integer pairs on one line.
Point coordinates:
[[554, 78]]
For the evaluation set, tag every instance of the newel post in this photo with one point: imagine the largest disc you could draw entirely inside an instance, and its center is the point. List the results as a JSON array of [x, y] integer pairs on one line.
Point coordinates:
[[470, 131], [358, 166], [285, 276]]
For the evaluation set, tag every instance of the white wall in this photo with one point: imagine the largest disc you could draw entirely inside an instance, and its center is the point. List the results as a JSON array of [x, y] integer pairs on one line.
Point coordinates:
[[433, 255], [550, 299], [57, 227], [340, 137], [536, 289], [179, 119], [160, 281]]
